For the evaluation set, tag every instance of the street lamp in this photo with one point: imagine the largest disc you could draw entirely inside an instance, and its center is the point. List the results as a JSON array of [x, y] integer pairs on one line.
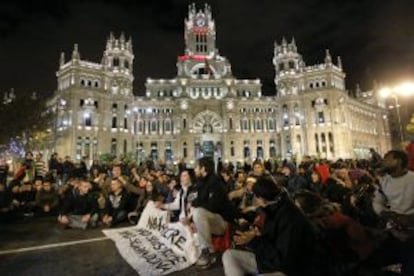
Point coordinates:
[[403, 89]]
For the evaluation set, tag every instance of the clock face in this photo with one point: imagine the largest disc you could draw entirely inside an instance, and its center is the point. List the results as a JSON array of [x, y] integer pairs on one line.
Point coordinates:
[[200, 22]]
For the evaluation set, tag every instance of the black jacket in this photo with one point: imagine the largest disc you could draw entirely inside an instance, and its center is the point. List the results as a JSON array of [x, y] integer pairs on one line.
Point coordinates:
[[116, 203], [287, 240], [211, 195], [77, 204], [296, 183]]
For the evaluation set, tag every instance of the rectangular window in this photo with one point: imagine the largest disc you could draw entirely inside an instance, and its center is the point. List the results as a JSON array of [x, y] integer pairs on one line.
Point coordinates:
[[321, 117], [113, 122], [88, 121]]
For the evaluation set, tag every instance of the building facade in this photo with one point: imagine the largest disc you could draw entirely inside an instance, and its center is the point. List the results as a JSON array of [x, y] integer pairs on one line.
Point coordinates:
[[206, 110]]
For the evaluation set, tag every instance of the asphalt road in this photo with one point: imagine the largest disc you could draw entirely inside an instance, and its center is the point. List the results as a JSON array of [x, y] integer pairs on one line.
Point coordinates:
[[38, 246]]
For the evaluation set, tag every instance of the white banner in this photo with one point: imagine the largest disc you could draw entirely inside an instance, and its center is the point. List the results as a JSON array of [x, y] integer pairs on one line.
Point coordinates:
[[154, 246]]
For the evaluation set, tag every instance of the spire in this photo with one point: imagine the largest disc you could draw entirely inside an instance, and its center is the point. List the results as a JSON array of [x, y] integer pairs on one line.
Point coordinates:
[[293, 42], [284, 43], [62, 59], [292, 45], [339, 62], [129, 44], [75, 52], [328, 58]]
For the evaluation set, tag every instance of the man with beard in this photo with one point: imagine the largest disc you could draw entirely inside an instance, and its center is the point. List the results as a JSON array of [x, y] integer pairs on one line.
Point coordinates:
[[211, 209], [394, 201]]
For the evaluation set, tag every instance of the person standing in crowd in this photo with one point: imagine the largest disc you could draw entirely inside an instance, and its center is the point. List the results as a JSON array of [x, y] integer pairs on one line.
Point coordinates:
[[281, 241], [27, 170], [83, 168], [210, 209], [54, 162], [40, 166], [67, 168], [394, 201]]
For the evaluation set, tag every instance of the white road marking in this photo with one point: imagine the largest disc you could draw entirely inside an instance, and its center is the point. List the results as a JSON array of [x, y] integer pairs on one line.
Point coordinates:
[[52, 245]]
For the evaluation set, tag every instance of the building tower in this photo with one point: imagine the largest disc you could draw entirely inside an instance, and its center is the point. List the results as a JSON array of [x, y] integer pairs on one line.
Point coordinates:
[[201, 59], [117, 61], [200, 32], [288, 66]]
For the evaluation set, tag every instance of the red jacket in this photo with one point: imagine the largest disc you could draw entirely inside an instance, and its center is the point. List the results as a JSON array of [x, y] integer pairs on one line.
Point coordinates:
[[357, 239], [410, 153], [323, 170]]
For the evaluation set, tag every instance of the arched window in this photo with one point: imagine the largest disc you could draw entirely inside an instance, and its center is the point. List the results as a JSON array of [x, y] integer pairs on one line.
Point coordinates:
[[245, 124], [323, 142], [167, 125], [258, 124], [331, 142], [271, 124], [285, 115], [154, 126]]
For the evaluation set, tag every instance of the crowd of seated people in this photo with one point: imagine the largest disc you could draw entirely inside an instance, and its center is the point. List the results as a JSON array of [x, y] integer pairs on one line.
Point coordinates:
[[319, 217]]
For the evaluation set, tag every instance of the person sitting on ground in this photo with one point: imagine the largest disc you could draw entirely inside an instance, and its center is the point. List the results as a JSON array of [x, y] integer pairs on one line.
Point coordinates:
[[211, 209], [394, 201], [228, 180], [295, 182], [345, 238], [316, 181], [115, 209], [150, 193], [180, 202], [338, 185], [281, 240], [79, 208], [47, 200], [258, 169], [6, 205]]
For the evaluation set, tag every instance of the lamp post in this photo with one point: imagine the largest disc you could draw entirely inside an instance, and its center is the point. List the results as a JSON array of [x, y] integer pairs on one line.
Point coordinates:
[[404, 89]]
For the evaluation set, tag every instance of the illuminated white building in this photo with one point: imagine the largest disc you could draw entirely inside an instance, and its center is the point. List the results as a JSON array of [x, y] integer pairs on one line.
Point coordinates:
[[205, 110]]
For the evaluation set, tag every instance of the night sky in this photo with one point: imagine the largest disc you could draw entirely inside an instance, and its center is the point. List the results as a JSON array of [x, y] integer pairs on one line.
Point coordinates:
[[374, 38]]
